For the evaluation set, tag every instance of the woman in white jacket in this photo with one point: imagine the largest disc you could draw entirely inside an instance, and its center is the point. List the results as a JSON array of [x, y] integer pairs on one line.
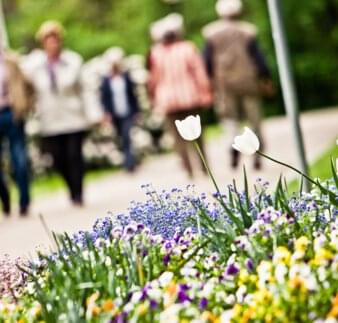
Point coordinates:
[[56, 75]]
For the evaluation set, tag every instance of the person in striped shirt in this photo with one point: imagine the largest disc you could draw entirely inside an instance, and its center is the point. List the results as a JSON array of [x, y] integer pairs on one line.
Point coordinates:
[[178, 81]]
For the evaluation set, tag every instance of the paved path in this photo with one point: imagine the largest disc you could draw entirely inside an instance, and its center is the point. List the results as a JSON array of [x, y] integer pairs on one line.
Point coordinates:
[[114, 192]]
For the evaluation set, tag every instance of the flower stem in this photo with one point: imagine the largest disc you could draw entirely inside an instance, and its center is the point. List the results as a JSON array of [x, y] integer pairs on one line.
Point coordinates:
[[219, 198], [288, 166], [207, 166], [332, 195]]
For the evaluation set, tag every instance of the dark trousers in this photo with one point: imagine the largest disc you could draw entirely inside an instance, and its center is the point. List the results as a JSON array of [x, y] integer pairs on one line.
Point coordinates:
[[13, 131], [66, 152], [123, 127]]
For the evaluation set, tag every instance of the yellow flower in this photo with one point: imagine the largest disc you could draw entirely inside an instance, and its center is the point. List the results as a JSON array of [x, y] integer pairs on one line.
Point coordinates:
[[92, 298], [142, 309], [268, 318], [108, 305], [247, 315], [170, 294], [298, 283], [171, 289], [96, 311], [243, 276], [322, 256], [36, 310], [210, 317], [237, 310], [282, 255], [262, 296], [334, 310], [301, 244], [253, 278]]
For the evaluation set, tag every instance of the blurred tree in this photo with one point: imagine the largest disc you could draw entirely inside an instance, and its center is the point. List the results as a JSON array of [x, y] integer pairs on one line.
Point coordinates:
[[94, 25]]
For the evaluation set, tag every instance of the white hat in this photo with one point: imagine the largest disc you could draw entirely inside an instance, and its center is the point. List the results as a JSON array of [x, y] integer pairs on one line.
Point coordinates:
[[50, 27], [156, 31], [229, 8], [173, 23], [113, 56]]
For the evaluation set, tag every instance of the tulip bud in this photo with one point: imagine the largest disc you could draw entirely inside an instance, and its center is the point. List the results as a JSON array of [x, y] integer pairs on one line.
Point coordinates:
[[190, 128], [247, 143]]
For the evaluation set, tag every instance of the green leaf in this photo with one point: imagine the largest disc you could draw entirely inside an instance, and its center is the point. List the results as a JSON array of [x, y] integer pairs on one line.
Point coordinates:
[[334, 172]]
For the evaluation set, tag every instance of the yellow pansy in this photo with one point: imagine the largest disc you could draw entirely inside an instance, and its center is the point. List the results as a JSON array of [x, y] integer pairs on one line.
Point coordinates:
[[298, 283], [244, 276], [322, 256], [247, 315], [262, 296], [210, 317], [282, 255], [301, 244], [237, 310]]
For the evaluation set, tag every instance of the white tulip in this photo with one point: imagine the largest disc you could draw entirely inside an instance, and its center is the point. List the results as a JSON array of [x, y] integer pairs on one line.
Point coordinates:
[[190, 128], [247, 143]]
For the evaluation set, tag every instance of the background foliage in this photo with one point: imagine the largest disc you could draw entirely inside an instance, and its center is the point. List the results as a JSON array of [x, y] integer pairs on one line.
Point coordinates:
[[94, 25]]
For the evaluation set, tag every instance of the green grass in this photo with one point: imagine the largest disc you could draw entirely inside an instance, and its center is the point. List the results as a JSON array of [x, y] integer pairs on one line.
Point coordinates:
[[52, 183], [321, 168], [213, 131]]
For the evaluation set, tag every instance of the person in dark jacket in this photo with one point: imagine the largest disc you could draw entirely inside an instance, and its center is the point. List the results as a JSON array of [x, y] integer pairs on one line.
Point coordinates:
[[120, 103]]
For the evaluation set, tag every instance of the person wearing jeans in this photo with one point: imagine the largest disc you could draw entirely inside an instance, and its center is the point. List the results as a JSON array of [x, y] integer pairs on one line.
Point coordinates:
[[16, 99], [13, 131]]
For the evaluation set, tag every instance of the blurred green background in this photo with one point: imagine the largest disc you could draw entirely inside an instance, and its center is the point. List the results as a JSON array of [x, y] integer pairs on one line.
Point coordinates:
[[94, 25]]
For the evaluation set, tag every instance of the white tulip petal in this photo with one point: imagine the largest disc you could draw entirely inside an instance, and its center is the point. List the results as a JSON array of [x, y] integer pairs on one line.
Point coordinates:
[[247, 143], [189, 128], [252, 137]]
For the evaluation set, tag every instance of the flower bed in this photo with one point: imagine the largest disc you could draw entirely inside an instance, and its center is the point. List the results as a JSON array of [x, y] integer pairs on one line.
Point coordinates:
[[183, 257]]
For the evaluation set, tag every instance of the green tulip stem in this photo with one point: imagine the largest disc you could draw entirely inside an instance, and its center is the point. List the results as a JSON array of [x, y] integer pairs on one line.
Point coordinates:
[[288, 166], [207, 166]]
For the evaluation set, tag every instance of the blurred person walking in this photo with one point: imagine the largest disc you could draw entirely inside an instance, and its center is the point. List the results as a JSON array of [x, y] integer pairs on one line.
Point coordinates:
[[120, 103], [238, 70], [16, 100], [178, 82], [56, 75]]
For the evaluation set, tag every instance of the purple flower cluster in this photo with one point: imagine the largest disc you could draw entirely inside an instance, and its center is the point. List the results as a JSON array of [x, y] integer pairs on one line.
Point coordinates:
[[164, 213]]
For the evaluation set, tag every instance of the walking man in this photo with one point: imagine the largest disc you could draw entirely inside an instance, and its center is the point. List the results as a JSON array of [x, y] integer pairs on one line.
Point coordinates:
[[238, 71]]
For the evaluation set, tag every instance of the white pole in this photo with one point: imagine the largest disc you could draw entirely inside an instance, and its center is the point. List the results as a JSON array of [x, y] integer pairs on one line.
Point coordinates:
[[3, 30], [287, 81]]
